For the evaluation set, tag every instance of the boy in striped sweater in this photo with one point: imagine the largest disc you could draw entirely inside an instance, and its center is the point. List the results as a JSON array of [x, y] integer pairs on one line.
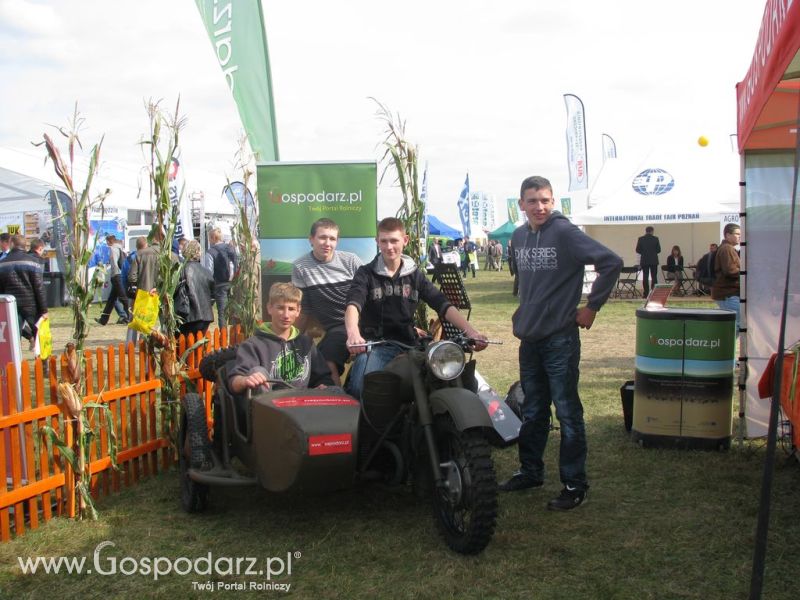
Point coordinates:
[[324, 275]]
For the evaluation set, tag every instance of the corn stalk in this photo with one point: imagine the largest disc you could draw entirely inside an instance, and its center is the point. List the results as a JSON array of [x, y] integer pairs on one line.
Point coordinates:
[[161, 145], [72, 385], [244, 305], [402, 156]]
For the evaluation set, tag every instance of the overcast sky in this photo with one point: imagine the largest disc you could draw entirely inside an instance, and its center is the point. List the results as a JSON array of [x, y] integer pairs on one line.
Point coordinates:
[[480, 84]]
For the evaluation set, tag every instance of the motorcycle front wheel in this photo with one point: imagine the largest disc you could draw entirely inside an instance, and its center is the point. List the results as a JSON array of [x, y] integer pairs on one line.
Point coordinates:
[[465, 509]]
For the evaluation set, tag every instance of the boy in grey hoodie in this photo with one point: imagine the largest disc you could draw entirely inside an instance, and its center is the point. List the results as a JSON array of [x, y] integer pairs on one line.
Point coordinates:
[[277, 350], [551, 254]]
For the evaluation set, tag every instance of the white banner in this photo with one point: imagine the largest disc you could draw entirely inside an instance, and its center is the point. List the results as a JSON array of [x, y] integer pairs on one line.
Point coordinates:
[[463, 208], [576, 144], [183, 228], [609, 147]]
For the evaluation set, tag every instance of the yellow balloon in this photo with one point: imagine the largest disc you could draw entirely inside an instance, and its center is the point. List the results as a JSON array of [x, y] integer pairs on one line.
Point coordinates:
[[703, 141]]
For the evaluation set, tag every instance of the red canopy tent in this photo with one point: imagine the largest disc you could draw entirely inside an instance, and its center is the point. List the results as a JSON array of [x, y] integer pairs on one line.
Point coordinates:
[[767, 96], [768, 113]]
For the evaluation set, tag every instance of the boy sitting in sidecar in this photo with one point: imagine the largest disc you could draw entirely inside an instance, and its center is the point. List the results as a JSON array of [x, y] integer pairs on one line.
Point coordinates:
[[278, 351]]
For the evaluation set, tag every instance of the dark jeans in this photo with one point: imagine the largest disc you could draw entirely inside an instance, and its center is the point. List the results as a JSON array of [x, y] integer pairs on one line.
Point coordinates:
[[649, 271], [221, 298], [548, 371], [117, 293]]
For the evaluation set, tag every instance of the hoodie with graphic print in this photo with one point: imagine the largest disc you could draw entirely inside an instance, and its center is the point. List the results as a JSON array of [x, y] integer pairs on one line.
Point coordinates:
[[295, 361], [386, 304], [551, 263]]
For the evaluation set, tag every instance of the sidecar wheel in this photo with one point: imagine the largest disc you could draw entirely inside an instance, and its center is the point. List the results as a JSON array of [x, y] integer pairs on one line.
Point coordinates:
[[466, 510], [195, 451], [211, 362]]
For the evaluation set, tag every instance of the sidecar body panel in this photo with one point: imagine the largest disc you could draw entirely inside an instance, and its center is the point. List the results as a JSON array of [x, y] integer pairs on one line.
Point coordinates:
[[463, 406], [305, 440]]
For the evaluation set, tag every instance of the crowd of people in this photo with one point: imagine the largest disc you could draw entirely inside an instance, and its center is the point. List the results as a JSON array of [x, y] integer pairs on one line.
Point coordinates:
[[715, 273]]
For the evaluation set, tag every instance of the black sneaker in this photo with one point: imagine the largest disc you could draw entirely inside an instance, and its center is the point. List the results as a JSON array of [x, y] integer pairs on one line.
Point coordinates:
[[569, 498], [99, 322], [519, 481], [122, 321]]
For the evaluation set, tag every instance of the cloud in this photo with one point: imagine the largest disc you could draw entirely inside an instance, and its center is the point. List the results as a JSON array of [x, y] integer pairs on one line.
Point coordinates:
[[21, 17]]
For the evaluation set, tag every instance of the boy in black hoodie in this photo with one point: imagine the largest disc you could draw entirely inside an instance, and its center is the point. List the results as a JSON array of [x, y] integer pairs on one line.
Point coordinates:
[[551, 254], [277, 350], [381, 304]]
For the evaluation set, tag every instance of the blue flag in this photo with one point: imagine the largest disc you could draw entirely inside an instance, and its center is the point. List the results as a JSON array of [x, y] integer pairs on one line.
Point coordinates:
[[463, 208]]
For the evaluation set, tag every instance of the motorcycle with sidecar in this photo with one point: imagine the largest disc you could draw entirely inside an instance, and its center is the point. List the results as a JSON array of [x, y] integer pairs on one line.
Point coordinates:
[[420, 422]]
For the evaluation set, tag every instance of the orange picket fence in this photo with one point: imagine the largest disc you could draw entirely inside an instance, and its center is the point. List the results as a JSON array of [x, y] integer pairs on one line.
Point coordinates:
[[123, 377]]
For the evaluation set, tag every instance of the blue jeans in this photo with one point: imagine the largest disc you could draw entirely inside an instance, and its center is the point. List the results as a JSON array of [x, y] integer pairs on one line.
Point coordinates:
[[731, 303], [367, 362], [221, 298], [548, 371]]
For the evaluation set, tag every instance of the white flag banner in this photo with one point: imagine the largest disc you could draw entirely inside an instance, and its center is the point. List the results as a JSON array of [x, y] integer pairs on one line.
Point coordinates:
[[463, 208], [183, 228], [576, 144], [609, 147]]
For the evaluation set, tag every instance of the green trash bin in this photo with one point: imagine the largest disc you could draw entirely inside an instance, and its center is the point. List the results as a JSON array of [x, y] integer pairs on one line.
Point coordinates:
[[683, 391]]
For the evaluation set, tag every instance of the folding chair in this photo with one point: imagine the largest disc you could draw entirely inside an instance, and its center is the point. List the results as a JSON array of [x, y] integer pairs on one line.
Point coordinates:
[[626, 283], [449, 279]]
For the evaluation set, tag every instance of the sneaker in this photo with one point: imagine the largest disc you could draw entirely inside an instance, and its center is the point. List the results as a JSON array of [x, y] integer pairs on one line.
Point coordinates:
[[569, 498], [122, 321], [519, 482], [99, 322]]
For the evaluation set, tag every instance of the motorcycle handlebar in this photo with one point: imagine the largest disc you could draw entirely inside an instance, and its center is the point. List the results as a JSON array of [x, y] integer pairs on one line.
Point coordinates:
[[459, 339]]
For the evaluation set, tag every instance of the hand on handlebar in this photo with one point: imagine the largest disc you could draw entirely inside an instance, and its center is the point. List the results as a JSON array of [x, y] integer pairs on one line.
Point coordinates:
[[477, 340], [256, 379], [355, 344]]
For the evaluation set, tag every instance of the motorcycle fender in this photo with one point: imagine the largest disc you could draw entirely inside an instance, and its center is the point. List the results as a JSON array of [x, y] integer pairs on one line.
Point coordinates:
[[463, 406]]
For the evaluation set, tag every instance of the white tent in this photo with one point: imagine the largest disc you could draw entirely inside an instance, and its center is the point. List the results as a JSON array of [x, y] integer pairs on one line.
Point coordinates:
[[686, 199]]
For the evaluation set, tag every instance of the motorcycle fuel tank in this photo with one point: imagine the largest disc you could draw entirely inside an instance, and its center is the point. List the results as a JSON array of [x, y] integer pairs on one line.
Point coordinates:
[[305, 440]]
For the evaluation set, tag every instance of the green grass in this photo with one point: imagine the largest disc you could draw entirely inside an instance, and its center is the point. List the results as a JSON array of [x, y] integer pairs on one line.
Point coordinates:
[[659, 524]]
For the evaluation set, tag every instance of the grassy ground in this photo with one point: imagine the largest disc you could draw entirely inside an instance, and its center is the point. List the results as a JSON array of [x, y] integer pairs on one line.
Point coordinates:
[[658, 524]]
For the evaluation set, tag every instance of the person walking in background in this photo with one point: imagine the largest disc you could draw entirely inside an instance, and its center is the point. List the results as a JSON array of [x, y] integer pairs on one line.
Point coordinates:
[[195, 292], [725, 289], [675, 267], [705, 269], [551, 255], [116, 258], [36, 250], [512, 268], [5, 244], [222, 260], [22, 276], [471, 250], [648, 248]]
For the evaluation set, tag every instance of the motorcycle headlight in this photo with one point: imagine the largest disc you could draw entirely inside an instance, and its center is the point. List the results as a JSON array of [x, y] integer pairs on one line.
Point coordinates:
[[446, 360]]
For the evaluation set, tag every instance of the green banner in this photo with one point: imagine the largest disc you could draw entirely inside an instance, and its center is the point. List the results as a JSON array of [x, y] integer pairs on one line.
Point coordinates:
[[236, 30], [513, 209], [291, 196]]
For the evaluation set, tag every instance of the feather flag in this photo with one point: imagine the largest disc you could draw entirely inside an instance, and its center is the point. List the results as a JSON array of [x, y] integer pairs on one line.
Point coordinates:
[[463, 207], [236, 31], [576, 144]]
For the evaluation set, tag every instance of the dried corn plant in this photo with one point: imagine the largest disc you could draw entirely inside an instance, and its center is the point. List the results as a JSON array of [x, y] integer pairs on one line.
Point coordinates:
[[402, 156], [81, 288], [160, 146], [244, 306]]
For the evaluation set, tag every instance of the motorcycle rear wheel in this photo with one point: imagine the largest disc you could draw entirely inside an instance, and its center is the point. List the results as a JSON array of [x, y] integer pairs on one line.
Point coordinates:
[[465, 511], [194, 452]]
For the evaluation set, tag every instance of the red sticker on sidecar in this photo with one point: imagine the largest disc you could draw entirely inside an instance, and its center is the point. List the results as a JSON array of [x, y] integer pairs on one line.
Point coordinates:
[[314, 401], [340, 443]]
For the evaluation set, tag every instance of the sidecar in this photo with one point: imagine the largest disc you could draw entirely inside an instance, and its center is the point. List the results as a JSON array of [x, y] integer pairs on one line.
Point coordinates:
[[286, 440]]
